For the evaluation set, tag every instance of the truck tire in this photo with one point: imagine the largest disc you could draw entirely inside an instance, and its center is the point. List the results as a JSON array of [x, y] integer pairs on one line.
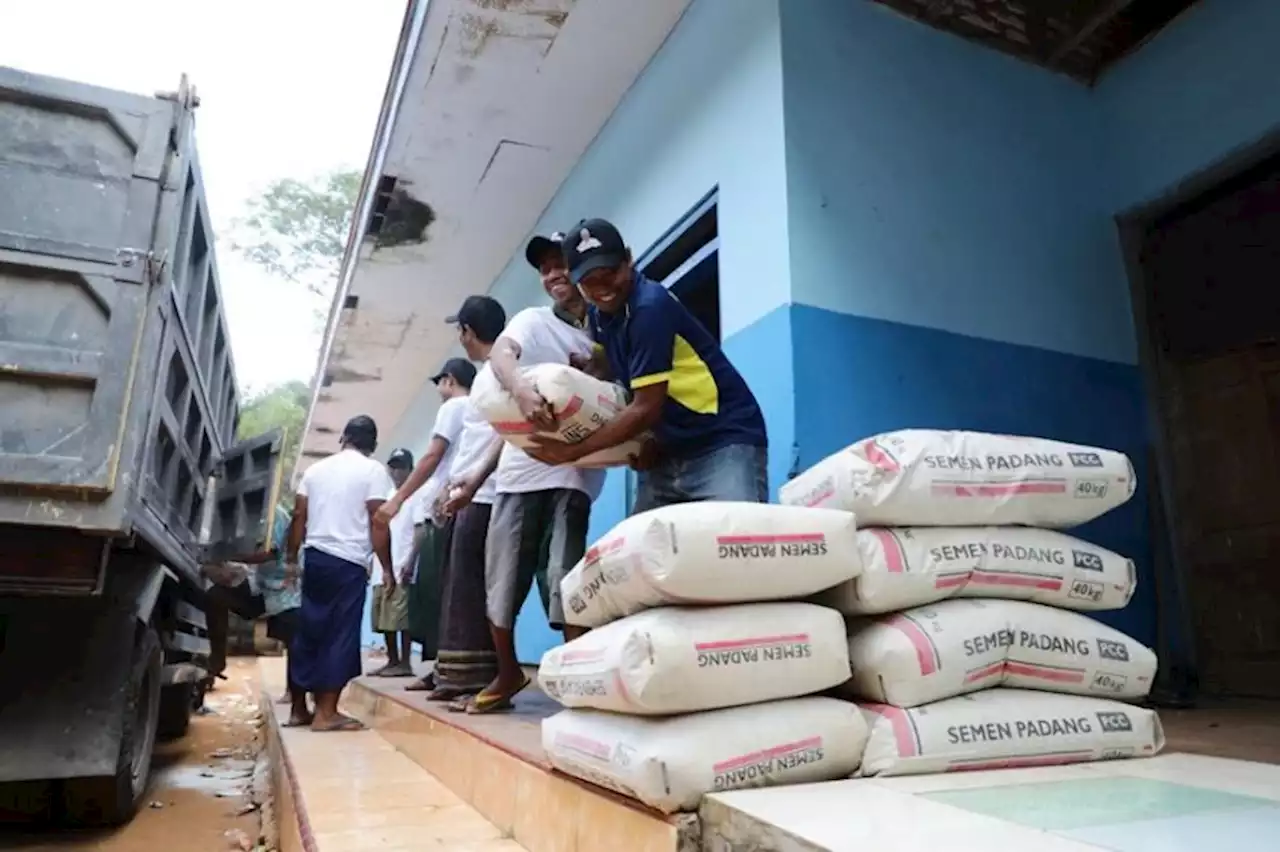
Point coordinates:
[[114, 800], [175, 711]]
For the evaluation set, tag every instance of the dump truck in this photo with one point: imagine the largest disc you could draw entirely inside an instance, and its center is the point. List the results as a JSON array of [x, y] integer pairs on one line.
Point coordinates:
[[120, 476]]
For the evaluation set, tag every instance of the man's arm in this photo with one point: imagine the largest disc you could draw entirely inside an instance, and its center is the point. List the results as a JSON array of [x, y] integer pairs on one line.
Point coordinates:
[[504, 360], [651, 337], [297, 529], [471, 484], [380, 538]]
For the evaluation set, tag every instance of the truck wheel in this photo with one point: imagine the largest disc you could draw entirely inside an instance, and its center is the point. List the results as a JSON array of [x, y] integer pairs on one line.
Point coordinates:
[[114, 800], [175, 711]]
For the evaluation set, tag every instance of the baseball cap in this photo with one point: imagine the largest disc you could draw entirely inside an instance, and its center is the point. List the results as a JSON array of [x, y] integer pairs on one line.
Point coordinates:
[[400, 459], [460, 370], [540, 245], [361, 432], [482, 315], [593, 244]]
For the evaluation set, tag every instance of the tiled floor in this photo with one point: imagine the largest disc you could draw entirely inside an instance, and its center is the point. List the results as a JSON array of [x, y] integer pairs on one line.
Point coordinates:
[[1172, 803], [360, 794]]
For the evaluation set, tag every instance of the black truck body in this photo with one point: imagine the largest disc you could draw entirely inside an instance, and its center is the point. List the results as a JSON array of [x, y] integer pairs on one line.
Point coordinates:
[[119, 472]]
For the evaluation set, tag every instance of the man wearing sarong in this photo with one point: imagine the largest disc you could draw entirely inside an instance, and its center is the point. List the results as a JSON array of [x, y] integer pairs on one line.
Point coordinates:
[[466, 661], [426, 485], [333, 517]]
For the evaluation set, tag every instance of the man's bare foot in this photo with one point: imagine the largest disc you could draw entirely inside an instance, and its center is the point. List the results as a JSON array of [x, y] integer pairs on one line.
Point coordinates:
[[296, 721], [381, 671], [336, 723]]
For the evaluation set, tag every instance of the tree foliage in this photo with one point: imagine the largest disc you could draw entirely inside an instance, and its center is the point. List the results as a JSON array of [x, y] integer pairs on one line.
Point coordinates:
[[297, 229], [283, 406]]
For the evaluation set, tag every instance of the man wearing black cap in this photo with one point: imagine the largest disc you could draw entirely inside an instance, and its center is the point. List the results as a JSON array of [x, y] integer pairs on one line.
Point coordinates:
[[425, 487], [333, 513], [709, 433], [389, 607], [539, 510]]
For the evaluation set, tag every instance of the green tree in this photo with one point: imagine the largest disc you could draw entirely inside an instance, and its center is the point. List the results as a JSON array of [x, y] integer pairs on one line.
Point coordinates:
[[280, 406], [297, 229]]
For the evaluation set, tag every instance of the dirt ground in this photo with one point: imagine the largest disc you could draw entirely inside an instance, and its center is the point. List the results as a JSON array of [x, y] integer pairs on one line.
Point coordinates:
[[202, 796]]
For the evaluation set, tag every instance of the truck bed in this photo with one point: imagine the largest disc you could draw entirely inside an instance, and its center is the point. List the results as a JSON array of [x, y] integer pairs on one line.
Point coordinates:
[[116, 377]]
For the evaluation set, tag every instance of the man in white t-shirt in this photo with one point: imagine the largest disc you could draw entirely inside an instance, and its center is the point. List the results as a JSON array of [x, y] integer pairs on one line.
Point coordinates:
[[389, 610], [540, 511], [426, 486], [333, 513]]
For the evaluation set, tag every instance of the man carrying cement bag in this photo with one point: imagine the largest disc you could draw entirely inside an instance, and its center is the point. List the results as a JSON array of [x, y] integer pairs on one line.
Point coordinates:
[[709, 433]]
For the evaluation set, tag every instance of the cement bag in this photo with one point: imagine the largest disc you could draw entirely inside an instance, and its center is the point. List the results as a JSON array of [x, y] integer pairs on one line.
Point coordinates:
[[673, 660], [949, 648], [927, 478], [1005, 729], [908, 566], [582, 404], [709, 553], [670, 763]]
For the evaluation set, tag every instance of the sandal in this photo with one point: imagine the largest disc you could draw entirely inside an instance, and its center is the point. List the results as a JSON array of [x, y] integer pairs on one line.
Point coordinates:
[[488, 702]]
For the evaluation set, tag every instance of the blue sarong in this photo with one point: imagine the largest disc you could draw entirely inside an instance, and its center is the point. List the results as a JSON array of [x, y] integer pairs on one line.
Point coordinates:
[[325, 653]]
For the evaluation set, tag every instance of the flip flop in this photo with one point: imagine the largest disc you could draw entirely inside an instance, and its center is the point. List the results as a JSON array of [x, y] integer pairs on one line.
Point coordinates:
[[487, 702], [344, 723], [419, 685], [297, 723], [398, 673]]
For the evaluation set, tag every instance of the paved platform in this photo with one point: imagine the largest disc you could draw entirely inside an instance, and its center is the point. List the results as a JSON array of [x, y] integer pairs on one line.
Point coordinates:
[[422, 769], [1170, 803]]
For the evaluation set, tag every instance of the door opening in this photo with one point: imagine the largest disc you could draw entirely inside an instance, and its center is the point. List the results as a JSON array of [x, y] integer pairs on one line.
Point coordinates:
[[1207, 303], [686, 260]]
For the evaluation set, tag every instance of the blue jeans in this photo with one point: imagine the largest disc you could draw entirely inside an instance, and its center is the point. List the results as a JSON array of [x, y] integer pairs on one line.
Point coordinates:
[[737, 472]]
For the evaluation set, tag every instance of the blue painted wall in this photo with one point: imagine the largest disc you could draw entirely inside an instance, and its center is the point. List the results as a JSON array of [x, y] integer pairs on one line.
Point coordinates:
[[954, 260], [1206, 86], [706, 113]]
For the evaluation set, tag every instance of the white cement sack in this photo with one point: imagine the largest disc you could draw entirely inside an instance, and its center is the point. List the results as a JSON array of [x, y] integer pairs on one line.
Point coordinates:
[[582, 404], [671, 763], [909, 566], [674, 660], [1004, 729], [927, 478], [933, 652], [710, 553]]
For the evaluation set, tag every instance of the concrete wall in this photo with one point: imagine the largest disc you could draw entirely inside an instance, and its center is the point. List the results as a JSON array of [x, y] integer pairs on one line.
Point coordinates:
[[706, 113]]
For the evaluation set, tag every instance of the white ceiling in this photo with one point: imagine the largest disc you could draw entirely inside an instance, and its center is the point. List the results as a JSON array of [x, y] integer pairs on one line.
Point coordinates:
[[503, 97]]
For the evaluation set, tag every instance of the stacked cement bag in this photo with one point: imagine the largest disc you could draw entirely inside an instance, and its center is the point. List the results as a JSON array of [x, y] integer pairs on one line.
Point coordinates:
[[961, 604], [701, 672], [581, 404]]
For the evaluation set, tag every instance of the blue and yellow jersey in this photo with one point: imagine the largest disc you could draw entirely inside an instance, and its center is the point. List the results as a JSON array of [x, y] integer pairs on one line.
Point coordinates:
[[655, 339]]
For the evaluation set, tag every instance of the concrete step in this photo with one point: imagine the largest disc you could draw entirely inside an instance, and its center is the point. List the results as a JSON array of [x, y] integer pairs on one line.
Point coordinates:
[[355, 792], [495, 763]]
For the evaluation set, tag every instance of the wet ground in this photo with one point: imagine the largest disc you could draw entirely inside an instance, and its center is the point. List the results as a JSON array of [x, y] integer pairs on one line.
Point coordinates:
[[202, 796]]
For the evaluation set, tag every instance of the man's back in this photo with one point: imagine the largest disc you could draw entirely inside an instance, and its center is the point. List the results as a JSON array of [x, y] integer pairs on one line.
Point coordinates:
[[338, 490]]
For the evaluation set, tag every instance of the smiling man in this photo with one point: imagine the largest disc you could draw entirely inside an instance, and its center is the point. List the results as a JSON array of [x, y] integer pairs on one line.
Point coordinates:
[[709, 441]]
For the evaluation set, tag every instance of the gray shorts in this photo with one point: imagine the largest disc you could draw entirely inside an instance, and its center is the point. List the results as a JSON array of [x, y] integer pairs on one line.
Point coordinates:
[[527, 532]]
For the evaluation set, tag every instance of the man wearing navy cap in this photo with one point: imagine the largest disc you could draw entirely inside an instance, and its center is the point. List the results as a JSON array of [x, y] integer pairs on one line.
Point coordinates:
[[710, 441]]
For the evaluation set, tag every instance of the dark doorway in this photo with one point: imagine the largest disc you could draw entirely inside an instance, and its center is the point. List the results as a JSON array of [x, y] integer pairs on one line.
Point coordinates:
[[686, 260], [1208, 296]]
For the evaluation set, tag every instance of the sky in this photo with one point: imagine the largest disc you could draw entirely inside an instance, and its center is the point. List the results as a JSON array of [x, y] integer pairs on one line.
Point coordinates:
[[288, 88]]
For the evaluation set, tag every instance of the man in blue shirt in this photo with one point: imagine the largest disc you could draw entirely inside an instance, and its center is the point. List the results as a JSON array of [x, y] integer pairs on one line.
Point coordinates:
[[709, 439]]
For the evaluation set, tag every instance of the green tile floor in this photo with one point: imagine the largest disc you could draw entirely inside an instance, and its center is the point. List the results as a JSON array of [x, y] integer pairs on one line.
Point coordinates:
[[1068, 805]]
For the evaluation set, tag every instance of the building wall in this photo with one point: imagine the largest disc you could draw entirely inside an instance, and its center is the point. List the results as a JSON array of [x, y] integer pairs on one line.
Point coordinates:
[[706, 113], [954, 261], [1207, 86], [953, 247]]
